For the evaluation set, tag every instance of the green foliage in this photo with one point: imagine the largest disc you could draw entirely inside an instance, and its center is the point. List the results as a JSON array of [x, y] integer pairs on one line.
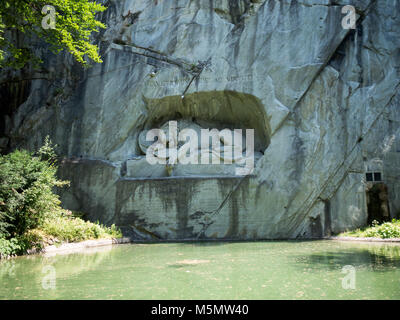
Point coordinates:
[[9, 247], [1, 41], [72, 229], [386, 230], [30, 213], [26, 192], [26, 197], [74, 24], [47, 151], [18, 245], [59, 227]]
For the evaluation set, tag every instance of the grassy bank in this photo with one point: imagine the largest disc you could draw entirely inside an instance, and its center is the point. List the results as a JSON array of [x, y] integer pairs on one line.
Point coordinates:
[[63, 227], [385, 230], [30, 213]]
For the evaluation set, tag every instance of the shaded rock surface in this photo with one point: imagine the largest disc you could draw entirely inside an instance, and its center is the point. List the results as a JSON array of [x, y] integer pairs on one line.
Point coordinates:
[[324, 102]]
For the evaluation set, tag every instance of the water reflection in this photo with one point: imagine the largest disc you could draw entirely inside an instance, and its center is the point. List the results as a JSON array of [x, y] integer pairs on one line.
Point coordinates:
[[228, 270], [378, 257]]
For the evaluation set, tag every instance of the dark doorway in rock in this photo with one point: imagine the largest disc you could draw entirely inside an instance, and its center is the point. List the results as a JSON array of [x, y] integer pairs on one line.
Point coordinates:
[[377, 203]]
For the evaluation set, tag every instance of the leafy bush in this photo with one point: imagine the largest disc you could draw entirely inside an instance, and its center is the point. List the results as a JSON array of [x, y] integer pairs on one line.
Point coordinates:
[[26, 190], [385, 231], [30, 213], [72, 229], [9, 247]]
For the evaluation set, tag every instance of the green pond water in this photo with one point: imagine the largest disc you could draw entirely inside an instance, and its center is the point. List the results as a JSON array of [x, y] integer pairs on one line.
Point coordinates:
[[223, 270]]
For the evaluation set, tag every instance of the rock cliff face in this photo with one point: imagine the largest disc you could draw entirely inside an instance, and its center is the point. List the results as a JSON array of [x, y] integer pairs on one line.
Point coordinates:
[[324, 102]]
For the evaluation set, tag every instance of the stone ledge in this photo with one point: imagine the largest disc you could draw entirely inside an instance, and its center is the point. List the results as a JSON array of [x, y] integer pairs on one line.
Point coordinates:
[[75, 247]]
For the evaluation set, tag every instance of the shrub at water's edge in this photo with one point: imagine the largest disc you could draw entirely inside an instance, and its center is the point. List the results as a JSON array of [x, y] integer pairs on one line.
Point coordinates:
[[68, 228], [30, 213], [386, 230]]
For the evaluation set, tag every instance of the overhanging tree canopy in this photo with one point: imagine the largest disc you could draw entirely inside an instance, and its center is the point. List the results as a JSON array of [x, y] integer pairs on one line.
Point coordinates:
[[75, 20]]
